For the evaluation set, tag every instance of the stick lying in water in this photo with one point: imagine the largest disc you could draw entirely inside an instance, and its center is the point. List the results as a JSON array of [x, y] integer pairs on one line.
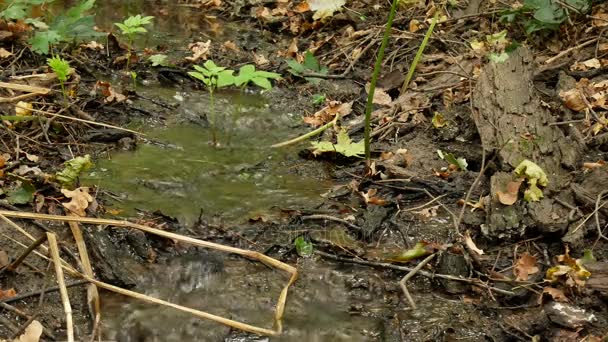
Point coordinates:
[[280, 307]]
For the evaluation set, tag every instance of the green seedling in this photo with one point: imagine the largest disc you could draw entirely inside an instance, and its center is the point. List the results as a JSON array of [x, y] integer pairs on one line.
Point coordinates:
[[213, 77], [460, 163], [132, 26], [248, 74], [303, 248], [310, 67], [61, 68], [318, 99], [134, 78]]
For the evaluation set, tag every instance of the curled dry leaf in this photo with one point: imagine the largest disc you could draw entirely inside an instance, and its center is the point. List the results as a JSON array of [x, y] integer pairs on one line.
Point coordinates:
[[509, 197], [80, 200], [525, 265], [470, 244], [328, 113], [371, 198], [200, 50], [557, 294]]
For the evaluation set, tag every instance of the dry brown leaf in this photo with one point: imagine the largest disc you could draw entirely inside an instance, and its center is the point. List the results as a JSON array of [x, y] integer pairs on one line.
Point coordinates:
[[260, 60], [23, 108], [80, 200], [200, 50], [328, 113], [557, 294], [428, 213], [381, 97], [371, 198], [230, 46], [469, 242], [414, 25], [5, 294], [292, 51], [589, 64], [595, 165], [5, 53], [509, 196], [600, 18], [93, 45], [525, 265], [109, 94]]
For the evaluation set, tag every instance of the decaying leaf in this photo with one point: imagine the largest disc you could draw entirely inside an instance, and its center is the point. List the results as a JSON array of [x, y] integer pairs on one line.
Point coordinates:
[[535, 176], [328, 113], [200, 50], [381, 97], [93, 45], [571, 270], [345, 146], [72, 170], [438, 120], [110, 95], [509, 197], [80, 200], [525, 265], [586, 94], [557, 294], [32, 333]]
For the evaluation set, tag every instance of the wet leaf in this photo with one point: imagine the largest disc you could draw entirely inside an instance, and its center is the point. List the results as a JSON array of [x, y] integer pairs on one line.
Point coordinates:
[[23, 194], [420, 250], [303, 248], [509, 197], [344, 146], [72, 170], [526, 265], [80, 200]]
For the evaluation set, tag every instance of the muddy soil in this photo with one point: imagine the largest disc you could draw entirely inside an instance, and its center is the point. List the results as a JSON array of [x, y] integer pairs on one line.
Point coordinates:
[[363, 221]]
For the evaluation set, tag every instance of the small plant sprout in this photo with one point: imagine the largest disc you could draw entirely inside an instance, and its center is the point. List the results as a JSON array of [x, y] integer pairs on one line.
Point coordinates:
[[134, 78], [61, 68], [132, 26], [248, 74], [213, 77]]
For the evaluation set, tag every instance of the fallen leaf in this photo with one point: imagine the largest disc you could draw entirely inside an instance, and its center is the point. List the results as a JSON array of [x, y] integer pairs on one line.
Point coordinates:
[[200, 50], [260, 60], [509, 197], [419, 250], [438, 120], [345, 146], [80, 200], [328, 113], [589, 64], [557, 294], [5, 53], [32, 333], [525, 265], [230, 46], [595, 165], [381, 97], [469, 242], [414, 25], [110, 95], [429, 212], [325, 8], [23, 108], [371, 198], [93, 45], [5, 294]]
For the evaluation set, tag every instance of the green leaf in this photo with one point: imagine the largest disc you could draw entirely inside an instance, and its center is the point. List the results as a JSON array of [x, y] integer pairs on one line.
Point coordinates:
[[23, 194], [461, 163], [262, 82], [303, 248], [42, 39], [267, 74], [203, 71], [418, 251], [72, 170], [587, 257], [318, 99], [15, 11], [60, 66], [535, 176], [225, 78], [295, 67], [247, 70], [344, 146], [498, 57], [310, 62], [159, 60]]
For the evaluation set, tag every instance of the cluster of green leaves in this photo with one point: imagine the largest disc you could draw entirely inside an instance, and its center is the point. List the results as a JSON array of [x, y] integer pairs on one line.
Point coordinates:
[[134, 25], [344, 145], [71, 25], [310, 66], [538, 15], [215, 77]]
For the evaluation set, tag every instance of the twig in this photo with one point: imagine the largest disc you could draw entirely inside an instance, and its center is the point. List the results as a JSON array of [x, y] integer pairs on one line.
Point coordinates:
[[567, 51], [47, 290], [600, 234], [280, 306], [67, 308], [13, 266], [331, 218], [307, 135], [409, 269], [407, 277]]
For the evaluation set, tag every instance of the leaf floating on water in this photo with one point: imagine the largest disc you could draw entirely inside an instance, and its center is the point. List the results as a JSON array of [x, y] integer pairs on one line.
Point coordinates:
[[72, 170]]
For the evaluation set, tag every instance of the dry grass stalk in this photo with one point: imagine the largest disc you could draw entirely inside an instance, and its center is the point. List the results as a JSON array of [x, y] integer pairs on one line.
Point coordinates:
[[54, 251], [280, 307]]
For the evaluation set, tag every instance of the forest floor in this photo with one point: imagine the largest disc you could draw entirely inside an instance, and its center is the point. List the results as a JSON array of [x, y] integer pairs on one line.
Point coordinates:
[[487, 171]]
